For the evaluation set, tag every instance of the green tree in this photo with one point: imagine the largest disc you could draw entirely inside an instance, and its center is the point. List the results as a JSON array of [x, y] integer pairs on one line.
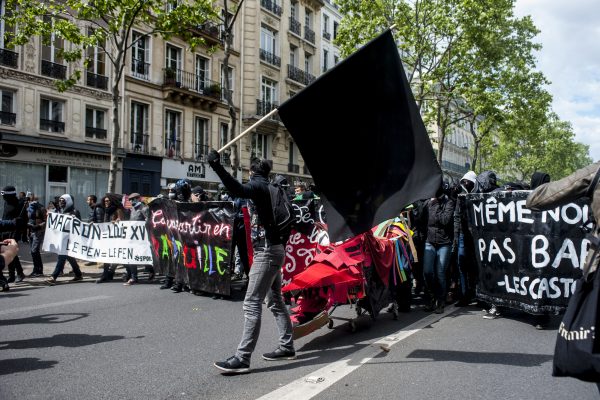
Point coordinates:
[[107, 25]]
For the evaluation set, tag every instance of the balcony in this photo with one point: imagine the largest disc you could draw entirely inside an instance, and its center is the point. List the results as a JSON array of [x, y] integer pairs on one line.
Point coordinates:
[[453, 167], [95, 133], [211, 32], [270, 58], [295, 26], [53, 70], [140, 69], [8, 118], [295, 168], [9, 58], [305, 170], [263, 108], [187, 81], [139, 142], [200, 152], [296, 74], [49, 125], [271, 5], [309, 34], [326, 35], [96, 81], [173, 148]]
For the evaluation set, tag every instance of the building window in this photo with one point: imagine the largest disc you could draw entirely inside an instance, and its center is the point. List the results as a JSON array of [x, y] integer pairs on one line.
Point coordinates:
[[308, 19], [94, 123], [223, 140], [268, 46], [294, 11], [293, 159], [325, 60], [51, 116], [7, 114], [172, 133], [200, 138], [173, 58], [336, 59], [293, 56], [140, 56], [259, 145], [52, 62], [326, 33], [96, 66], [139, 127], [6, 31], [202, 72], [268, 91], [308, 63], [230, 81], [335, 29], [172, 5]]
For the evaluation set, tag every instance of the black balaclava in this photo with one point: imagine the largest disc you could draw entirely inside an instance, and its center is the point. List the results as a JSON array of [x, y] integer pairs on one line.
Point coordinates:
[[539, 178]]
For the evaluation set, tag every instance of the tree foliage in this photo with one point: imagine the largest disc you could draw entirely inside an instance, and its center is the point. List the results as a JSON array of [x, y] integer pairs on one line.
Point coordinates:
[[467, 61], [107, 25]]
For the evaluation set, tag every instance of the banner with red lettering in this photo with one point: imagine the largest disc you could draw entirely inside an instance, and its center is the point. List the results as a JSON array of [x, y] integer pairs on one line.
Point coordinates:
[[527, 259], [192, 242]]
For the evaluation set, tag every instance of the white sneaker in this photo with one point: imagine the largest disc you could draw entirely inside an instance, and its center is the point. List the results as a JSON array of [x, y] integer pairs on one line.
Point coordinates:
[[492, 313]]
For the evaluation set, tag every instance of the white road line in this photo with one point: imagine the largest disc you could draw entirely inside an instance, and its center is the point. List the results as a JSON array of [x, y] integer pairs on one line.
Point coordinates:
[[310, 385], [49, 305]]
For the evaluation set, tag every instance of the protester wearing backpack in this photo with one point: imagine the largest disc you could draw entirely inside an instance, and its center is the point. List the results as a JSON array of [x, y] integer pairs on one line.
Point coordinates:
[[265, 272]]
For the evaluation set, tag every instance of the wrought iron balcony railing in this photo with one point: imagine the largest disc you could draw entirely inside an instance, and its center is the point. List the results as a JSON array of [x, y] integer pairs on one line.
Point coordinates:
[[52, 126], [187, 80], [140, 69], [295, 168], [8, 118], [263, 108], [295, 26], [139, 142], [53, 70], [270, 58], [296, 74], [272, 6], [9, 58], [95, 80], [326, 35], [309, 34], [95, 133]]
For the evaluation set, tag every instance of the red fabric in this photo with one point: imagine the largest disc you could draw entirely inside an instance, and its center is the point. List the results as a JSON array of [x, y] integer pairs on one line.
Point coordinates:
[[319, 275], [247, 228], [382, 253]]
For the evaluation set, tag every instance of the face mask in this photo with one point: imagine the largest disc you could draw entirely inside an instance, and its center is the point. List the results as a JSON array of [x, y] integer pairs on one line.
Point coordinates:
[[172, 195]]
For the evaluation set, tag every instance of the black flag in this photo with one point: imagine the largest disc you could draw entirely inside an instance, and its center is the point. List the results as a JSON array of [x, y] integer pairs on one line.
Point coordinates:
[[363, 140]]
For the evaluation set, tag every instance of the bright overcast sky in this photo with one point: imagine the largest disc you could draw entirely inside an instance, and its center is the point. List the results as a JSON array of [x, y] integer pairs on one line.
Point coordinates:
[[570, 59]]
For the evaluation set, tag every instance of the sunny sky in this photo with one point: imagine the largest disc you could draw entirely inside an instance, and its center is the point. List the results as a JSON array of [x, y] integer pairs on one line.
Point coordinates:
[[570, 59]]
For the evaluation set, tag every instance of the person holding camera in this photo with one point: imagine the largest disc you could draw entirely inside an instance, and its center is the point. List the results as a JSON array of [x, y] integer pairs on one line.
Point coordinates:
[[265, 274]]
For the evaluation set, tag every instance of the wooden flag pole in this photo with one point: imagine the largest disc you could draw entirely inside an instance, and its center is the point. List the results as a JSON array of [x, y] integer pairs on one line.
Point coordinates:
[[241, 135]]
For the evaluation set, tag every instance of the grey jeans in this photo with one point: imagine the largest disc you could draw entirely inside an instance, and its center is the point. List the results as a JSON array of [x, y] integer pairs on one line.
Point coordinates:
[[265, 282]]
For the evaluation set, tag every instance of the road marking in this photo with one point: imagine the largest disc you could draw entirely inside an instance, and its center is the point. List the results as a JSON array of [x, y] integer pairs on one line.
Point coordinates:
[[307, 386], [49, 305]]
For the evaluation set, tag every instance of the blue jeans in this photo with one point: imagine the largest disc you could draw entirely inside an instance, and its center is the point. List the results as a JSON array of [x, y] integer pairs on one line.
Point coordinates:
[[264, 282], [60, 265], [435, 264]]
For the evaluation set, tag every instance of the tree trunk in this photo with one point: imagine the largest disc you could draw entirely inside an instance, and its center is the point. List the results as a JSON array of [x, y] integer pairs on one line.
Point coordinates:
[[116, 124]]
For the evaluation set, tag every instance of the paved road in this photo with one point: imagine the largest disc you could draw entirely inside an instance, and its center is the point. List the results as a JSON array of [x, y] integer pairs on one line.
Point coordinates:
[[89, 341]]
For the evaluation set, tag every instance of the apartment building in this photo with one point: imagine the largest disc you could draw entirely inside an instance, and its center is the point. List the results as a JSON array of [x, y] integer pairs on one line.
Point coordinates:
[[281, 55]]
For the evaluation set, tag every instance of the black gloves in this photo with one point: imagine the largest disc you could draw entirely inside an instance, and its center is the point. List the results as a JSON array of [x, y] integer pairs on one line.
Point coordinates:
[[213, 157]]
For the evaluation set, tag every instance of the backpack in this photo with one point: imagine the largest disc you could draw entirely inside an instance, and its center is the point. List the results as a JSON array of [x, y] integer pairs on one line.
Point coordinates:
[[283, 211], [485, 182]]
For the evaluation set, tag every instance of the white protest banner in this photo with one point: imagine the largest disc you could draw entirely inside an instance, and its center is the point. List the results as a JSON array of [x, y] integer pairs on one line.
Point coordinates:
[[124, 242]]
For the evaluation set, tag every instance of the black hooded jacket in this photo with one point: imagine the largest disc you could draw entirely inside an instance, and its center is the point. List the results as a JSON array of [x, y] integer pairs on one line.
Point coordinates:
[[538, 178], [257, 190]]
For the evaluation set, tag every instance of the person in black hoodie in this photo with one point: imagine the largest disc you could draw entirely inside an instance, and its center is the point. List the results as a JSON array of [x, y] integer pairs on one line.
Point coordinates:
[[14, 209], [67, 207], [436, 258], [539, 178], [265, 274]]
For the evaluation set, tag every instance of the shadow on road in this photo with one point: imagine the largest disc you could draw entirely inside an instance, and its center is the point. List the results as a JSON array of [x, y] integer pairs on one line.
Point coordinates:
[[24, 365], [64, 340], [45, 319], [513, 359]]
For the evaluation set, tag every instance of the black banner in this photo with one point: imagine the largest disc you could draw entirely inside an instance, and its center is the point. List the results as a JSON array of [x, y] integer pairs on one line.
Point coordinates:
[[527, 260], [192, 242]]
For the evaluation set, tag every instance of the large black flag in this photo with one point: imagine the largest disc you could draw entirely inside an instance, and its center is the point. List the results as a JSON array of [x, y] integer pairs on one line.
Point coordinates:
[[362, 138]]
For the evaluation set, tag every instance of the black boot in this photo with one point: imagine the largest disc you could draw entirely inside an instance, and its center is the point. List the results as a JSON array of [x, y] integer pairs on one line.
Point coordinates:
[[11, 278], [177, 288], [107, 275], [3, 284], [168, 283]]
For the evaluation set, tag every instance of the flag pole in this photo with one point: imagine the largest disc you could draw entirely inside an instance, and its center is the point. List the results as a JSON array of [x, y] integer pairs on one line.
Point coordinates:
[[241, 135]]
